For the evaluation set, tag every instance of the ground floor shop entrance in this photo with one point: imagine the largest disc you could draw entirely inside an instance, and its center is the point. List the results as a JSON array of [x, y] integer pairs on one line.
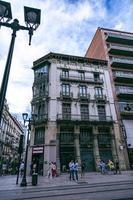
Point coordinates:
[[38, 159], [67, 151], [85, 144], [88, 158], [66, 155]]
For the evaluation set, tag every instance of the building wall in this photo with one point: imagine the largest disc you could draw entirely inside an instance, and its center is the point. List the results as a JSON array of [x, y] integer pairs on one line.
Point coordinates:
[[96, 48], [55, 127], [10, 131], [125, 119]]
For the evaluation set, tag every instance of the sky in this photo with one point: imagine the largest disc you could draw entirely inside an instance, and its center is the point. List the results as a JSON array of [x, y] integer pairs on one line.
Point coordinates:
[[67, 26]]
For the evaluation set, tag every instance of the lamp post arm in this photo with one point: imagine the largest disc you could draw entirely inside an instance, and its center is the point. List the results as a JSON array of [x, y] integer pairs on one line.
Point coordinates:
[[15, 25]]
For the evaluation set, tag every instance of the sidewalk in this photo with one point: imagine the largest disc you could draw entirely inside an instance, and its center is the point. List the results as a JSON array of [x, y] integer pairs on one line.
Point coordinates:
[[9, 182]]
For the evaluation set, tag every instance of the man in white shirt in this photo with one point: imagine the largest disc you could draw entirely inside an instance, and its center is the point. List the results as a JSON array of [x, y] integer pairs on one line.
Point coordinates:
[[71, 170]]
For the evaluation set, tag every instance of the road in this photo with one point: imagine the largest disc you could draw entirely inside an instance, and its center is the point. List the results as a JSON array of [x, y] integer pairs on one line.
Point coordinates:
[[122, 190]]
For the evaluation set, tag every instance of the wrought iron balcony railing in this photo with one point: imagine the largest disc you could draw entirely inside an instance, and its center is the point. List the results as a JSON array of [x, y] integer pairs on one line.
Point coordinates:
[[40, 94], [68, 95], [100, 97], [83, 79], [85, 117], [38, 118], [83, 96]]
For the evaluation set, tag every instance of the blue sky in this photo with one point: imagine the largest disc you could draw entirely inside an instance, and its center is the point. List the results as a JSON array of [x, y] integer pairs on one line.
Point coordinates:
[[67, 26]]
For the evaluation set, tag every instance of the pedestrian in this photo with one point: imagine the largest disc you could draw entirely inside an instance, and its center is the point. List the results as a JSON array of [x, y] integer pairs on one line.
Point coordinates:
[[103, 167], [76, 170], [117, 168], [71, 169], [83, 167], [111, 166], [34, 168], [31, 168], [4, 169], [21, 169], [49, 172], [53, 169]]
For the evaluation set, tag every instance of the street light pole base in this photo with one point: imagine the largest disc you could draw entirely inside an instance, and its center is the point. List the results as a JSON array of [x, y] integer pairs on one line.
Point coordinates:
[[23, 183]]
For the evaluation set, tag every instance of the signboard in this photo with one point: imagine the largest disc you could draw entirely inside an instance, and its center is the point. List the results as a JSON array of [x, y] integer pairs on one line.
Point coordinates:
[[37, 150]]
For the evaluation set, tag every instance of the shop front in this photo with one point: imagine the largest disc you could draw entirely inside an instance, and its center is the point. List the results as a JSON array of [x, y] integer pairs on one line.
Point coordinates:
[[38, 159]]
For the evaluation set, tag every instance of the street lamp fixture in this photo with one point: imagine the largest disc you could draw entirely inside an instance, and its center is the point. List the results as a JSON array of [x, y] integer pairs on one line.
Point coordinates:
[[5, 11], [32, 19], [26, 119]]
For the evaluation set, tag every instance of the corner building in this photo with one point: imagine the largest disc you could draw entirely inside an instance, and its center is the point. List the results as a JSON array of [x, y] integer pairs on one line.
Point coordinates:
[[117, 48], [74, 113]]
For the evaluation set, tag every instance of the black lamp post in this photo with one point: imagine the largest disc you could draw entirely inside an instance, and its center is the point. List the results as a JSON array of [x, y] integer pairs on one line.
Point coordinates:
[[25, 118], [32, 20]]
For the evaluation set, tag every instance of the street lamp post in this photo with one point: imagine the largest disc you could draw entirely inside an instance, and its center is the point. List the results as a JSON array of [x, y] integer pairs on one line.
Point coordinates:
[[25, 118], [32, 20]]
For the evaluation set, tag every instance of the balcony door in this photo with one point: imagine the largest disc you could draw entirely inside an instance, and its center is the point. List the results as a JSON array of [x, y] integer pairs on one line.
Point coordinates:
[[101, 112], [66, 111], [84, 110]]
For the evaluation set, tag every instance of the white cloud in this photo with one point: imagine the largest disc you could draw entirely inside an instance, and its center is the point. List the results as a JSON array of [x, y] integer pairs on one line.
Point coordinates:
[[65, 28]]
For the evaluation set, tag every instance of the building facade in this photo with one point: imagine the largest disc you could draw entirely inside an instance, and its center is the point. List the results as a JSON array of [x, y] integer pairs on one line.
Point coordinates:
[[117, 48], [10, 131], [74, 113]]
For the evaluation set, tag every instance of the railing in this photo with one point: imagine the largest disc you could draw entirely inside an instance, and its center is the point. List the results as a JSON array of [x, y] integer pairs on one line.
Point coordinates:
[[122, 60], [66, 95], [40, 117], [124, 90], [127, 108], [84, 96], [100, 97], [123, 74], [111, 46], [85, 117], [40, 94], [83, 79], [119, 36]]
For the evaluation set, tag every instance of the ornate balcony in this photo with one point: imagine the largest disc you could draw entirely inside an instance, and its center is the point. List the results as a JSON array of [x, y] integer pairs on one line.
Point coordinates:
[[81, 80], [100, 98], [66, 95], [40, 118], [90, 119], [83, 97]]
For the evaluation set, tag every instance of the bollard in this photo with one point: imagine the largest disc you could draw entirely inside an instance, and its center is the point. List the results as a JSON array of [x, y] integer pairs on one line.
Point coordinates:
[[34, 179]]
